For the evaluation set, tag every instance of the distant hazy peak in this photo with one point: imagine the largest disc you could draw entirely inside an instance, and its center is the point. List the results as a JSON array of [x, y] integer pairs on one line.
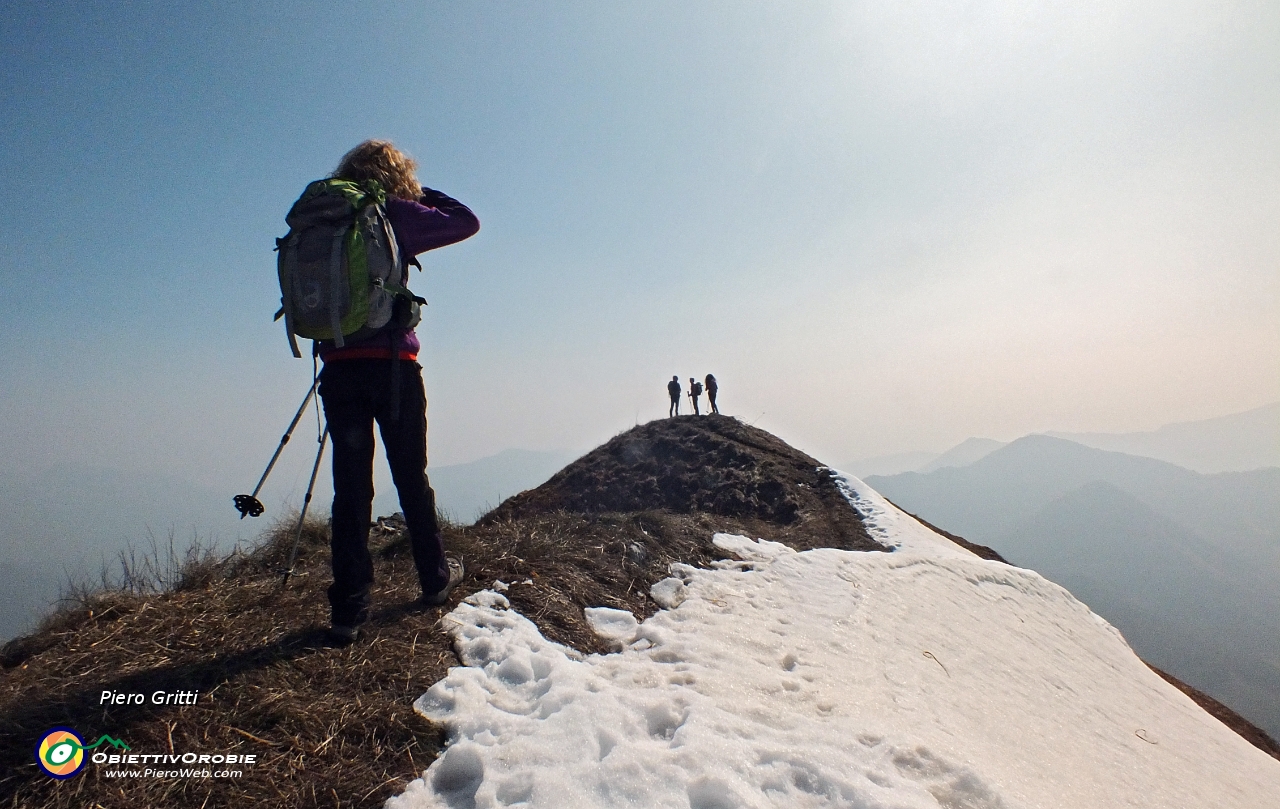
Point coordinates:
[[1233, 443], [962, 454], [966, 452], [515, 455], [893, 464], [1046, 448]]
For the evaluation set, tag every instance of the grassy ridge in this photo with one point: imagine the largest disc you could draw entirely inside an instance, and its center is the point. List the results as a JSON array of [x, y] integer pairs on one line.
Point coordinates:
[[334, 726]]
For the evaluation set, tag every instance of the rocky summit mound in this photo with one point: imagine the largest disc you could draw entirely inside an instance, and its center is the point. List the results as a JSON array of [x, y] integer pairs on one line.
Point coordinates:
[[745, 478]]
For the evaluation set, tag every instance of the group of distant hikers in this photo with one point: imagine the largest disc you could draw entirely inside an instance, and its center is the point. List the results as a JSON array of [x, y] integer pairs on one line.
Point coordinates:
[[695, 391]]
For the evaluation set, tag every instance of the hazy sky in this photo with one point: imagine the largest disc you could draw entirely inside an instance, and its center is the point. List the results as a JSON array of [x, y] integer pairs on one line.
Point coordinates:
[[884, 226]]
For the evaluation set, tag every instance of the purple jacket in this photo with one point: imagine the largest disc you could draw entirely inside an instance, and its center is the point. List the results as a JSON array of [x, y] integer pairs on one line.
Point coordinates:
[[434, 220]]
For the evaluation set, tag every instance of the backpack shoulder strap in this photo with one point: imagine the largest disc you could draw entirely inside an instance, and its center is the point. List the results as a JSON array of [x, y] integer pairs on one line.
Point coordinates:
[[335, 283]]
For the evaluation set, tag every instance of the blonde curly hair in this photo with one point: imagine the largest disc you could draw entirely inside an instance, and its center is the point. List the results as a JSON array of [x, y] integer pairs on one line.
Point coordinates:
[[379, 160]]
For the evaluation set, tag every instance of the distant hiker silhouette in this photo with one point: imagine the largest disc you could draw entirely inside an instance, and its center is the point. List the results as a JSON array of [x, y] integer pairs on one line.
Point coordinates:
[[374, 377], [673, 389], [712, 387], [695, 390]]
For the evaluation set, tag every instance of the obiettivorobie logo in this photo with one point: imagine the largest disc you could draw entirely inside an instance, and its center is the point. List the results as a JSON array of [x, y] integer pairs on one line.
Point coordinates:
[[60, 752]]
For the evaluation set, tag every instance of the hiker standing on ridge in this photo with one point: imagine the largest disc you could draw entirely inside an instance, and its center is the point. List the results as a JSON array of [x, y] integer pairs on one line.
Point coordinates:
[[712, 387], [695, 390], [673, 390], [378, 379]]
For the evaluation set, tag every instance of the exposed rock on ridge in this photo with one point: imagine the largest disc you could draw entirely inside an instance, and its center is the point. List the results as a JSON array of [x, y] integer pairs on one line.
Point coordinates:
[[743, 478]]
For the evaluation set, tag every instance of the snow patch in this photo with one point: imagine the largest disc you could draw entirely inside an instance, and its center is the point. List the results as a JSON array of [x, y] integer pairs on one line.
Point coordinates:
[[889, 525], [618, 627], [750, 550], [488, 598], [827, 678], [668, 593]]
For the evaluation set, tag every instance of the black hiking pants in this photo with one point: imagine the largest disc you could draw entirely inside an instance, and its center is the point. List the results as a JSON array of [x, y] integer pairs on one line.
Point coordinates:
[[356, 393], [711, 397]]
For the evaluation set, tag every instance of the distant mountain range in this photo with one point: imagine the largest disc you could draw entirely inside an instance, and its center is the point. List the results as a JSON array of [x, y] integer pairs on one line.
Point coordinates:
[[69, 521], [1185, 564], [893, 464], [966, 452], [1235, 443], [466, 491]]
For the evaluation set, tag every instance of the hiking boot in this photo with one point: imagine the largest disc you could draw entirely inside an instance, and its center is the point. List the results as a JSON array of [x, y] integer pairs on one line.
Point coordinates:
[[456, 574], [344, 634]]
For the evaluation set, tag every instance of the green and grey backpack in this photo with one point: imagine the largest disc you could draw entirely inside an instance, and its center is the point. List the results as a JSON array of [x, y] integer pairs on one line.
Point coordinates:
[[340, 267]]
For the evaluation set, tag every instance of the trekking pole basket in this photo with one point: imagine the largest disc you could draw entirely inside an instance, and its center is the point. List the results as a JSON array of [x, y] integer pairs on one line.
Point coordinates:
[[248, 504]]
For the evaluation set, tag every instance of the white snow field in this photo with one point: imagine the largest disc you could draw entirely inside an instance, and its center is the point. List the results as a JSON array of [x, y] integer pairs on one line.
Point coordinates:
[[925, 677]]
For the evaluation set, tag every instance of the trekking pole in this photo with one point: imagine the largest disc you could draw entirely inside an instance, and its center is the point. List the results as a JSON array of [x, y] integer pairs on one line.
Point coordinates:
[[248, 504], [306, 501]]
